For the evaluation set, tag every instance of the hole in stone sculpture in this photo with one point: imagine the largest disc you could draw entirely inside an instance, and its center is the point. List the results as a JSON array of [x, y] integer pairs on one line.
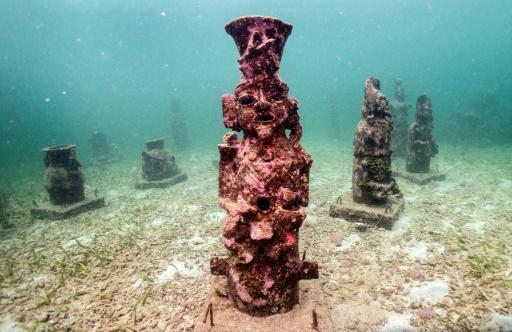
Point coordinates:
[[287, 132], [263, 203], [246, 100], [265, 118], [256, 39]]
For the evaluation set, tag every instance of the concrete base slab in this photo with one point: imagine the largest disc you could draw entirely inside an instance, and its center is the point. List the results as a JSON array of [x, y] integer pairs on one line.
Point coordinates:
[[311, 314], [144, 184], [102, 161], [419, 178], [377, 215], [49, 211]]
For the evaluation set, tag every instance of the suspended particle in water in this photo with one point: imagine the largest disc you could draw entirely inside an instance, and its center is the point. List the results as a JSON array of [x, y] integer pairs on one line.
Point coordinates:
[[163, 14], [47, 100], [63, 92]]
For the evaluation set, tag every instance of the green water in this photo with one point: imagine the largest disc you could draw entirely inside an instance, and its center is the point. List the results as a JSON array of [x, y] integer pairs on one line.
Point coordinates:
[[70, 67]]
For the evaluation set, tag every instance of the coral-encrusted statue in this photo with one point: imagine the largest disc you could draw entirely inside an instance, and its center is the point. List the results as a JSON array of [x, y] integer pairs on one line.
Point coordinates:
[[159, 168], [263, 178], [375, 197], [421, 144], [64, 182], [371, 178], [63, 178], [399, 113]]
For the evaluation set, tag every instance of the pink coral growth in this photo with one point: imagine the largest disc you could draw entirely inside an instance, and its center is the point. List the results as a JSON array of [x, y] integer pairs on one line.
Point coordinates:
[[426, 314], [336, 239]]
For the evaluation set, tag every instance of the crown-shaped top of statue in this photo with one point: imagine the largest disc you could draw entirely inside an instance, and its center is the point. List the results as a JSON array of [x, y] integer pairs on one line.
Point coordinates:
[[260, 41]]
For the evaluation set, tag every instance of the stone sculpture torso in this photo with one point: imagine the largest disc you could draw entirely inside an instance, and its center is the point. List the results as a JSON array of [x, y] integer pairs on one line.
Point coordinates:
[[421, 144], [371, 178], [263, 178]]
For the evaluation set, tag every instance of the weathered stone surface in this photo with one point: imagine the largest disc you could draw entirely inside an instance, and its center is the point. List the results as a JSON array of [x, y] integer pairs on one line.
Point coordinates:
[[376, 215], [418, 178], [48, 211], [158, 163], [63, 179], [145, 184], [372, 182], [300, 318], [421, 144], [263, 178]]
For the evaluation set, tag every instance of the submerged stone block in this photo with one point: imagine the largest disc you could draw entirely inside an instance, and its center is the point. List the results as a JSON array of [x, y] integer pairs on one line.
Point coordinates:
[[49, 211], [418, 178], [159, 168], [63, 179], [146, 184], [312, 314], [372, 214], [64, 182], [374, 190]]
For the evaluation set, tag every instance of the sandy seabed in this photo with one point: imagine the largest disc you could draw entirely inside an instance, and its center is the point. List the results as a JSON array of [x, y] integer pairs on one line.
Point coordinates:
[[142, 262]]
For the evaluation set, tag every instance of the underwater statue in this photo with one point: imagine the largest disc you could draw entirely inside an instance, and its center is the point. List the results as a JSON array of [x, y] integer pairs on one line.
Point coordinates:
[[421, 147], [421, 144], [101, 151], [263, 177], [375, 195], [99, 145], [180, 139], [63, 179], [399, 114], [159, 168], [64, 182]]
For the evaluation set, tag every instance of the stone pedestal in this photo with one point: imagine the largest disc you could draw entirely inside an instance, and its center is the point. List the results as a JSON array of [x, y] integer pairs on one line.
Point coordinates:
[[159, 168], [418, 178], [49, 211], [146, 184], [377, 215], [301, 318]]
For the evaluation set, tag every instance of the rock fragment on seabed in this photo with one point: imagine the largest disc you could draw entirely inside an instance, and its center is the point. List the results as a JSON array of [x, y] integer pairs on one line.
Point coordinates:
[[419, 250], [84, 240], [160, 220], [431, 292], [397, 323], [348, 242], [499, 323], [177, 269], [8, 325]]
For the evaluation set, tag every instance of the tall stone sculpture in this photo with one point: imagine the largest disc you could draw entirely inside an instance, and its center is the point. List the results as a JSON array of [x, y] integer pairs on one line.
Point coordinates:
[[421, 147], [64, 182], [263, 178], [159, 168], [101, 151], [399, 115], [421, 144], [179, 133], [375, 195]]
